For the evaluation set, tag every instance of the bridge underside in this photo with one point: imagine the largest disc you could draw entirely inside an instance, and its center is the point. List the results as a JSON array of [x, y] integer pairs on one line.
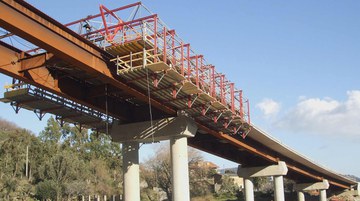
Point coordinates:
[[76, 81]]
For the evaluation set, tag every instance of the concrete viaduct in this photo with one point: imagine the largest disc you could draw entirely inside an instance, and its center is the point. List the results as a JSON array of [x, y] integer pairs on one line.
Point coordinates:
[[109, 79]]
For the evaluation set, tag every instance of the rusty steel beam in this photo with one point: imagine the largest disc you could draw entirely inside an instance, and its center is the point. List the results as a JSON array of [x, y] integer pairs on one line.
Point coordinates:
[[268, 157], [13, 65], [28, 24]]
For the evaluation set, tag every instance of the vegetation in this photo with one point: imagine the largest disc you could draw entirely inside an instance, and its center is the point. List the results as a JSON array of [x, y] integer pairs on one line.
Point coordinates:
[[63, 163]]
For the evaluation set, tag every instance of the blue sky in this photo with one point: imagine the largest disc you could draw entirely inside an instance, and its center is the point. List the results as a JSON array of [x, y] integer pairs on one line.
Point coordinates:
[[297, 61]]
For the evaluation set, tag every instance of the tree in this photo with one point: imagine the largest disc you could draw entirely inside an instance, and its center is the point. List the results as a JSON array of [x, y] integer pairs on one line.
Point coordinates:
[[48, 189], [53, 132], [13, 182], [156, 172], [228, 187], [63, 163]]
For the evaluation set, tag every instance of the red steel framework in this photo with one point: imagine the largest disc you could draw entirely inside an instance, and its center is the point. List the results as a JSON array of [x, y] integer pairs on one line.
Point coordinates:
[[143, 39]]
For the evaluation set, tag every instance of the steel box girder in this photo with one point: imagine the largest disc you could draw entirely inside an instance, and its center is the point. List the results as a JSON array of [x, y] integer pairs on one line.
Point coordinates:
[[32, 70]]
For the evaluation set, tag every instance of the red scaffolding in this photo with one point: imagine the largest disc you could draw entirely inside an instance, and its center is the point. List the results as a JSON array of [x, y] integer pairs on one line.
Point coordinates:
[[146, 51]]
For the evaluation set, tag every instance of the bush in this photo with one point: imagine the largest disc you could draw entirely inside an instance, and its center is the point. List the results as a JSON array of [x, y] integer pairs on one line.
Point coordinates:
[[48, 189]]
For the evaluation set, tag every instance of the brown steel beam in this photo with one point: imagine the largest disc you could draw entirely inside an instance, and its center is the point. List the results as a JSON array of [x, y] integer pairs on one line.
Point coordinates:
[[268, 157], [23, 21], [13, 66]]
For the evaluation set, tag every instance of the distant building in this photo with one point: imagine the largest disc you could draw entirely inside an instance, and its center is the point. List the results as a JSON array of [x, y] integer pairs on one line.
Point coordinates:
[[204, 165]]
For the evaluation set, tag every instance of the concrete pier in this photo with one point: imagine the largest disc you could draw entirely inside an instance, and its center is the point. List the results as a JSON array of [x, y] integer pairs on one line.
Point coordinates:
[[301, 196], [323, 195], [277, 171], [320, 186], [175, 129], [279, 193], [131, 171], [249, 189], [180, 169]]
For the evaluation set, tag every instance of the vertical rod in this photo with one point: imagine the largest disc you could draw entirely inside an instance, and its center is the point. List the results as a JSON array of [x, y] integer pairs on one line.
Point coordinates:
[[197, 71], [213, 91], [164, 48], [248, 110], [173, 47], [155, 39], [188, 61], [201, 77], [131, 56], [241, 104], [182, 59], [232, 97], [144, 57], [222, 88]]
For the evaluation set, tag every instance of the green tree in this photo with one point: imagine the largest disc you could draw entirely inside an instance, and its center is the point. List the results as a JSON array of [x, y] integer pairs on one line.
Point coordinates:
[[62, 169], [48, 189], [53, 132]]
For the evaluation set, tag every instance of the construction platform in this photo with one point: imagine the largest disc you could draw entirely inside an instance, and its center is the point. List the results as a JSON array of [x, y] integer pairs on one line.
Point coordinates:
[[42, 102]]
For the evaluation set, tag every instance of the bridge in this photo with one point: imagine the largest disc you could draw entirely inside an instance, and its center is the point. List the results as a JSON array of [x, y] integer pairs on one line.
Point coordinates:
[[123, 72]]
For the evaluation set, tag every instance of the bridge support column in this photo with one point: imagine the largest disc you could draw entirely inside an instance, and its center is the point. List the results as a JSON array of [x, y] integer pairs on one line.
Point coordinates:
[[301, 196], [131, 171], [279, 192], [277, 171], [320, 186], [175, 129], [249, 189], [323, 195], [180, 169]]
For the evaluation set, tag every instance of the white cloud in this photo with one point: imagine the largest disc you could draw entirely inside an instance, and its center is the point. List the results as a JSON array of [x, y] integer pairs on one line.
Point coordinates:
[[325, 116], [269, 107]]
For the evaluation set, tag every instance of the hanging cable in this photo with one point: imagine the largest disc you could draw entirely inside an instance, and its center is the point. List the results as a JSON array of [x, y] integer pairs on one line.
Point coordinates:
[[150, 108], [148, 84], [106, 110]]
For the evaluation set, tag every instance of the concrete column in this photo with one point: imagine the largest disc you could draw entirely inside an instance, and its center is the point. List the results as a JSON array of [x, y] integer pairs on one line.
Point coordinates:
[[131, 171], [301, 196], [273, 170], [279, 192], [180, 169], [323, 195], [249, 189]]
